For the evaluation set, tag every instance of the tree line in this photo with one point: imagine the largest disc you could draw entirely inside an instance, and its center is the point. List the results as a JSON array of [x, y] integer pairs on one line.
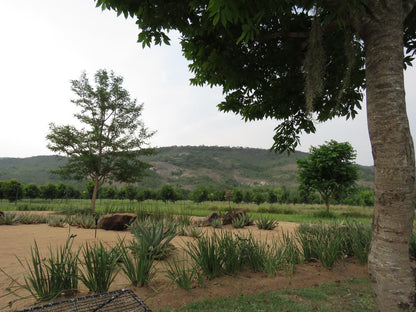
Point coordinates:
[[13, 191]]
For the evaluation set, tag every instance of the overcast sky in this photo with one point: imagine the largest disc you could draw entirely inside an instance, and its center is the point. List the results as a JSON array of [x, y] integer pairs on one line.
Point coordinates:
[[45, 44]]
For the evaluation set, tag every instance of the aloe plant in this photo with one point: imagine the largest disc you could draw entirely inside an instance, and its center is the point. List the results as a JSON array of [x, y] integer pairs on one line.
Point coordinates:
[[155, 238]]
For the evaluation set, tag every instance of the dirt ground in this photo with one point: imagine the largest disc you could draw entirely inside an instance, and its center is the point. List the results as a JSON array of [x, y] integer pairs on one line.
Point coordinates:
[[17, 240]]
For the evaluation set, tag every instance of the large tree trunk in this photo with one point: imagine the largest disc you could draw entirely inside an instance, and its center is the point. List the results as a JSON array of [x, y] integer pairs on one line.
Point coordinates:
[[394, 159]]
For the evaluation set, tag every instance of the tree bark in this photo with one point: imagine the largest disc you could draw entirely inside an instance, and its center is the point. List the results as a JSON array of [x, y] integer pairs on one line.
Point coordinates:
[[392, 146]]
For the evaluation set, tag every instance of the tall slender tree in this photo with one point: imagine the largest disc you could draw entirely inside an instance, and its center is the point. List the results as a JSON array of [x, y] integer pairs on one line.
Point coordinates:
[[109, 145], [304, 60]]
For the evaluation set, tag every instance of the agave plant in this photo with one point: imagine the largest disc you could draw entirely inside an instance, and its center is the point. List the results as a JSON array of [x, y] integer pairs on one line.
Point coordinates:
[[155, 237]]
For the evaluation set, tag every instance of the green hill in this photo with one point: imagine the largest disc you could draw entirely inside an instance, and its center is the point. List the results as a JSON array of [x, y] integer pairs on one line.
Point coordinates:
[[186, 167]]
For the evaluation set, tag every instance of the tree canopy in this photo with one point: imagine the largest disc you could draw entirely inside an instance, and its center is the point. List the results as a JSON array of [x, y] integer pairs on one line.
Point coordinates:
[[109, 145]]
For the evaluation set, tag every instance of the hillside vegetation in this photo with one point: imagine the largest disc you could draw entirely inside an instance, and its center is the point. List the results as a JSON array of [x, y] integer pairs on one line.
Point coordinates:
[[186, 167]]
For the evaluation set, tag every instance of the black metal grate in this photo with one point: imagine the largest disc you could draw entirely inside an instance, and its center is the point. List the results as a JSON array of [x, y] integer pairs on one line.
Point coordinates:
[[123, 300]]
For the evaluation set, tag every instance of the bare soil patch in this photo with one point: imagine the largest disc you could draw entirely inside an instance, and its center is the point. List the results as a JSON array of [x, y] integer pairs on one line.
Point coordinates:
[[16, 242]]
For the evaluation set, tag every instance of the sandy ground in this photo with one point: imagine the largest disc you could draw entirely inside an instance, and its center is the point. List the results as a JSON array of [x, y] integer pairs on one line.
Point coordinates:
[[17, 240]]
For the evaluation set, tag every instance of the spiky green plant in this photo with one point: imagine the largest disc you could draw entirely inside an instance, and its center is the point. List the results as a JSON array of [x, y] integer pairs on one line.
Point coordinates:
[[179, 272], [156, 237], [50, 277], [9, 219], [137, 266], [266, 223], [99, 267], [207, 255]]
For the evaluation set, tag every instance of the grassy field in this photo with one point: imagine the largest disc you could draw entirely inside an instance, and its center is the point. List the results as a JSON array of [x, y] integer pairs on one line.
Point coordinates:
[[282, 212]]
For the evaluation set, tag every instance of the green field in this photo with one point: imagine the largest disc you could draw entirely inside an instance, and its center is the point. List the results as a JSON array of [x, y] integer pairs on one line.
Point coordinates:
[[282, 212]]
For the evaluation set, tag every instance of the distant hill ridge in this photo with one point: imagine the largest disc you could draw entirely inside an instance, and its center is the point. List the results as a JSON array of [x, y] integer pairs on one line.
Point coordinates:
[[186, 167]]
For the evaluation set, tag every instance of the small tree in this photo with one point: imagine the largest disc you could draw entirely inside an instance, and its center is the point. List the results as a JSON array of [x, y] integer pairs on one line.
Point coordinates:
[[167, 193], [31, 191], [108, 147], [328, 169], [12, 190]]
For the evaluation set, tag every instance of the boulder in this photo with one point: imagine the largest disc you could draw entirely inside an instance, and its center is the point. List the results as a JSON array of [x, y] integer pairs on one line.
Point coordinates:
[[116, 221], [231, 215], [208, 220]]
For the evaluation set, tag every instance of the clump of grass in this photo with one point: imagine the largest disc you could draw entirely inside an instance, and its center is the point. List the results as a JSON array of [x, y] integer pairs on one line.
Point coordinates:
[[99, 267], [138, 266], [266, 223], [179, 272], [53, 276], [331, 242], [207, 255]]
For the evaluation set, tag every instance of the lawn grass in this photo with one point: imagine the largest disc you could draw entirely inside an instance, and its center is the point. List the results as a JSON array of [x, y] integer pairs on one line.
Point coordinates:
[[352, 296]]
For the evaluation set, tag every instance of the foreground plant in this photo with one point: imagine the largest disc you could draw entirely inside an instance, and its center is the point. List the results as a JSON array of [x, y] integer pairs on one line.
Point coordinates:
[[50, 277], [155, 238], [137, 266], [179, 272], [99, 267]]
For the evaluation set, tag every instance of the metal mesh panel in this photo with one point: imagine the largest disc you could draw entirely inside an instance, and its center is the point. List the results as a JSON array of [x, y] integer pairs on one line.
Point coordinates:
[[120, 300]]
